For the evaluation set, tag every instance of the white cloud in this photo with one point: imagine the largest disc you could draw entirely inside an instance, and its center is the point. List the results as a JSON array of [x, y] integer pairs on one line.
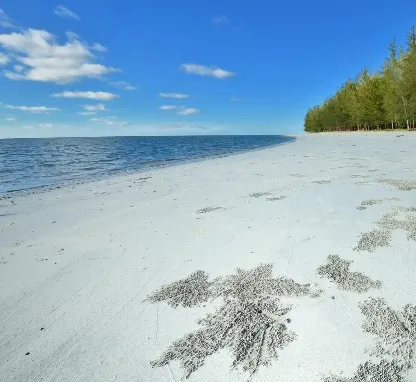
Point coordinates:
[[33, 109], [202, 70], [66, 13], [174, 95], [4, 60], [99, 96], [221, 20], [18, 68], [5, 21], [45, 60], [45, 125], [182, 110], [188, 111], [98, 107], [112, 120], [86, 113], [10, 119], [71, 36], [98, 48], [123, 85], [167, 107]]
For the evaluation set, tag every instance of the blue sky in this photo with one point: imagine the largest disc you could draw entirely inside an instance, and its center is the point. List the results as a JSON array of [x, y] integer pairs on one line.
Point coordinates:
[[163, 67]]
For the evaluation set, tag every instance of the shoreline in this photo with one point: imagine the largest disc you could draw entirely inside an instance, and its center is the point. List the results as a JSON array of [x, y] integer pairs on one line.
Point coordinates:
[[123, 173], [306, 248]]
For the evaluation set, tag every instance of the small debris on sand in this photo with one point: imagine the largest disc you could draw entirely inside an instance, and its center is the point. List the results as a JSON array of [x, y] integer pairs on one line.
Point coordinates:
[[337, 271], [208, 209], [370, 202], [258, 194], [297, 175], [402, 185], [276, 198], [322, 181]]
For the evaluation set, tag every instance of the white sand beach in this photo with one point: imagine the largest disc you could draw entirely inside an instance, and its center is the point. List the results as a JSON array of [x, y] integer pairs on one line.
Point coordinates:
[[82, 267]]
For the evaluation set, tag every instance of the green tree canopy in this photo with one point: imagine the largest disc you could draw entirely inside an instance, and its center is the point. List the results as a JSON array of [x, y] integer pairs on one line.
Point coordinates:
[[382, 100]]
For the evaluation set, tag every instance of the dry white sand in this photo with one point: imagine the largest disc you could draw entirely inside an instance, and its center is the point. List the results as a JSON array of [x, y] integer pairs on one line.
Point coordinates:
[[293, 263]]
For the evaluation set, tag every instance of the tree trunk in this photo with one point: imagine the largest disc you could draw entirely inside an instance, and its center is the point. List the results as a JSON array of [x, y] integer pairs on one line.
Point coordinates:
[[407, 123]]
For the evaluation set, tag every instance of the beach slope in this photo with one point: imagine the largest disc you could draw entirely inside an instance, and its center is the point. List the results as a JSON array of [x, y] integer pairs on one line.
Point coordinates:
[[291, 263]]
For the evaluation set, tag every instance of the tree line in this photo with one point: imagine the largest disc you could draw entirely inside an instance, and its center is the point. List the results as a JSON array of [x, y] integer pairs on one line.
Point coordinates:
[[384, 100]]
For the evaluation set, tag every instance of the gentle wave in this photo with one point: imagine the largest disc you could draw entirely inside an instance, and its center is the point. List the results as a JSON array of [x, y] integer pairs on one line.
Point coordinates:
[[33, 163]]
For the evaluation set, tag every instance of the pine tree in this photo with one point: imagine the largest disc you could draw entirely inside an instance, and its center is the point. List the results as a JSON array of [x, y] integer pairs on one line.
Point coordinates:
[[386, 99]]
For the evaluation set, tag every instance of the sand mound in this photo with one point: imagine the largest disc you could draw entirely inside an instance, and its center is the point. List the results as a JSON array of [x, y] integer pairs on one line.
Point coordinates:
[[373, 372], [396, 331], [337, 271], [251, 322], [395, 344], [188, 292], [403, 218]]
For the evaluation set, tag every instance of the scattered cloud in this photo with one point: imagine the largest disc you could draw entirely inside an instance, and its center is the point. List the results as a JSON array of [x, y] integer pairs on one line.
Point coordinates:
[[122, 85], [86, 113], [5, 21], [10, 119], [98, 107], [168, 107], [45, 60], [103, 119], [182, 110], [18, 68], [182, 129], [202, 70], [174, 95], [33, 109], [71, 36], [98, 48], [4, 60], [99, 96], [234, 99], [112, 120], [45, 125], [66, 13], [188, 111], [221, 20]]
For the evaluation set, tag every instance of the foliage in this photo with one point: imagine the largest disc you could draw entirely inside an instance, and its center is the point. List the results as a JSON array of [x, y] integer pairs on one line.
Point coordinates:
[[383, 100]]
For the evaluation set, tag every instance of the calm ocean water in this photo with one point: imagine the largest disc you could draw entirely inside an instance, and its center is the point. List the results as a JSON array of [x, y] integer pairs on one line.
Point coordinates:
[[31, 163]]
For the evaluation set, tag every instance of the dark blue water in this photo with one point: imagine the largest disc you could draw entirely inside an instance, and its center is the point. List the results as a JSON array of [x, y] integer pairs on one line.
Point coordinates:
[[31, 163]]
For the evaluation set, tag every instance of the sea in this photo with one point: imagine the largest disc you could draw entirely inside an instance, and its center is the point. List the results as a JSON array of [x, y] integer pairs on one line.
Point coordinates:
[[27, 163]]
